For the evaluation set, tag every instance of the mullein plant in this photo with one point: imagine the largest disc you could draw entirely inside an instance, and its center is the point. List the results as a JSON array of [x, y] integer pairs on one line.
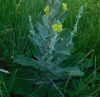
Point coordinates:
[[53, 42], [53, 47]]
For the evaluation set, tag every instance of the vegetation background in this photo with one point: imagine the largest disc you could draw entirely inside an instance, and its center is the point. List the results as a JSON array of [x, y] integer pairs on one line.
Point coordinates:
[[14, 28]]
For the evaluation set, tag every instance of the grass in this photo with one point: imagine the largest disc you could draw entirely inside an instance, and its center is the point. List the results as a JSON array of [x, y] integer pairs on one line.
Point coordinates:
[[14, 28], [14, 25]]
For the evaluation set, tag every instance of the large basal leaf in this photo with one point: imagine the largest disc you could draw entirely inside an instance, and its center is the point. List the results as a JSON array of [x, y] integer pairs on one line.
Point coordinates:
[[25, 83], [25, 61], [73, 71]]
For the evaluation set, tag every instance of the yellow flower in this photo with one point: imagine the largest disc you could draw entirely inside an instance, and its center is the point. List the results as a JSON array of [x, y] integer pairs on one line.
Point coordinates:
[[64, 6], [57, 27], [47, 10]]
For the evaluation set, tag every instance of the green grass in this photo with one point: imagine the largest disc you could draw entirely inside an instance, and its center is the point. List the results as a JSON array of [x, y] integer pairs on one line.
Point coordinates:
[[14, 28], [14, 25]]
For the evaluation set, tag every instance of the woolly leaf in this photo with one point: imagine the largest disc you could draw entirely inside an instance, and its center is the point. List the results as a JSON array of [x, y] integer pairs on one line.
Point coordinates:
[[25, 61], [55, 12], [52, 43], [66, 43], [45, 23], [42, 32], [63, 16], [34, 41], [56, 3], [73, 71], [64, 52], [60, 59]]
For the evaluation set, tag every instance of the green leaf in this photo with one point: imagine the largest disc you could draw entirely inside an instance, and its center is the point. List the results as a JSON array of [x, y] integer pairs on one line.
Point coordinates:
[[25, 61], [73, 71], [66, 43], [45, 23], [33, 51], [56, 2], [63, 33], [63, 16], [34, 41], [64, 52], [42, 32], [55, 12], [48, 2], [60, 59], [25, 83]]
